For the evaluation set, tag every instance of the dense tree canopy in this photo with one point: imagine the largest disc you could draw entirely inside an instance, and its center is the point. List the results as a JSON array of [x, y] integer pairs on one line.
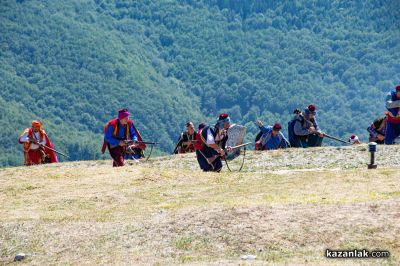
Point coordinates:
[[73, 63]]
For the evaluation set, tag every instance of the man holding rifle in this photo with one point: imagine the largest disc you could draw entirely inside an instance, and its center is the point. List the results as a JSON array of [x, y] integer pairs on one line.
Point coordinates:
[[210, 145], [186, 140], [38, 148], [117, 133], [305, 130]]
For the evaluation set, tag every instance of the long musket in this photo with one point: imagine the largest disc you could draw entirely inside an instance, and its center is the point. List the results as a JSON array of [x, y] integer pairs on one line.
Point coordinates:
[[238, 146], [44, 146], [177, 144], [285, 140], [337, 139], [213, 158], [187, 143], [130, 143]]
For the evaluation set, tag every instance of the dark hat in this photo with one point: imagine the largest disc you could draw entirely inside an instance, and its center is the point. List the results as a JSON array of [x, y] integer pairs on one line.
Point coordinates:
[[277, 126], [398, 88]]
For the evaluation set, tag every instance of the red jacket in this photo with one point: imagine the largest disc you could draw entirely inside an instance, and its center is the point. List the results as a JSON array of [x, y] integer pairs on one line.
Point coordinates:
[[52, 155]]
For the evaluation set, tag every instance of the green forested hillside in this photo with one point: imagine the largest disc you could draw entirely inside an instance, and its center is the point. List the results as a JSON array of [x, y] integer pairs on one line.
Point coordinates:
[[72, 64]]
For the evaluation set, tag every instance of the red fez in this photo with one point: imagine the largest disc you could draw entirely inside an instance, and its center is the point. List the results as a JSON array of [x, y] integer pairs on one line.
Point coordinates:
[[353, 139], [277, 126], [312, 108], [223, 116], [398, 88]]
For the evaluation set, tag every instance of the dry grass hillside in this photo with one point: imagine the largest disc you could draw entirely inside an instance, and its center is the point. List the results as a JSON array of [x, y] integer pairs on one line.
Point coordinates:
[[285, 207]]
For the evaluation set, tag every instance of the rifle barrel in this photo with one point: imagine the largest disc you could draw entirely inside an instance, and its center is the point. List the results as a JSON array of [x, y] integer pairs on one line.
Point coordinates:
[[241, 145], [44, 146], [129, 142], [148, 142], [337, 139]]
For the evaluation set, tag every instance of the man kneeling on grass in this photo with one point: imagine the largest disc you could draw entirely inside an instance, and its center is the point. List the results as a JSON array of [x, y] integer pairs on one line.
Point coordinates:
[[116, 132], [210, 145], [304, 131], [272, 137], [36, 144]]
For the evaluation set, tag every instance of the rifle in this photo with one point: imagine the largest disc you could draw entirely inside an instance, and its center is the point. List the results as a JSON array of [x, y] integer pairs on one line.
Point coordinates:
[[131, 142], [184, 143], [283, 139], [239, 146], [44, 146], [213, 158], [177, 144], [334, 138], [189, 142]]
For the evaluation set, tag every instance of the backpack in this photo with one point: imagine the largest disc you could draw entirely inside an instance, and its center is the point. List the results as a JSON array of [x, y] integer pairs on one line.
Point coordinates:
[[291, 129]]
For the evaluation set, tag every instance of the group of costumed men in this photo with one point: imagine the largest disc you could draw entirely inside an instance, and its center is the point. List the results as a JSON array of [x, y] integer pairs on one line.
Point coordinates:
[[124, 141], [302, 128]]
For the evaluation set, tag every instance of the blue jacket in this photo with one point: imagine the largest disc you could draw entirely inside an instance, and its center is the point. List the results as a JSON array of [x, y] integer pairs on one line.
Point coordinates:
[[269, 142], [392, 103], [114, 141]]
